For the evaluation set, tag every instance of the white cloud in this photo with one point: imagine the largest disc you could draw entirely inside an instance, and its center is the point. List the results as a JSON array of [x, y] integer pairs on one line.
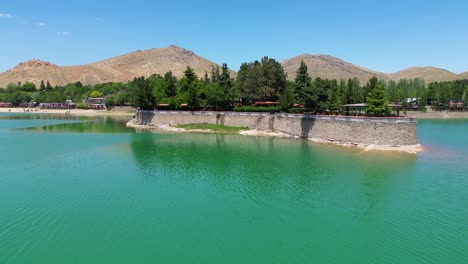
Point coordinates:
[[42, 24], [63, 33], [6, 15]]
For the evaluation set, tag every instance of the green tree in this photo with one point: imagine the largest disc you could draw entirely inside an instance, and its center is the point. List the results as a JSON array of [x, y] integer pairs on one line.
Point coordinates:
[[48, 86], [190, 85], [29, 87], [286, 100], [110, 100], [377, 101], [95, 94], [142, 94], [371, 84], [303, 83], [42, 86]]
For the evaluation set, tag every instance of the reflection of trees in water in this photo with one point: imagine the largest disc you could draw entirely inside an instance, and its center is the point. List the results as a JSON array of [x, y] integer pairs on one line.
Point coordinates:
[[83, 125], [262, 168]]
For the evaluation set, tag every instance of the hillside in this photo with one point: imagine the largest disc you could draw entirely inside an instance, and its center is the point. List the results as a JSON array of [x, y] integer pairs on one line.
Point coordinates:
[[176, 59], [117, 69], [329, 67], [463, 75], [429, 74]]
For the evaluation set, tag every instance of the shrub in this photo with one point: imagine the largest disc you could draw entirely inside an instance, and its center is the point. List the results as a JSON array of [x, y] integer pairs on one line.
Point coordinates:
[[82, 106]]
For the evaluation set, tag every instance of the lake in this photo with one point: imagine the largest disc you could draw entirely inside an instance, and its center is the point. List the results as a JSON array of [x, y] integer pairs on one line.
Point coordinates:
[[89, 190]]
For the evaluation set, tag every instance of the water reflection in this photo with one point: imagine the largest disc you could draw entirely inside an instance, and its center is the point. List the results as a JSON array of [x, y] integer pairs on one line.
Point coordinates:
[[268, 170], [83, 125]]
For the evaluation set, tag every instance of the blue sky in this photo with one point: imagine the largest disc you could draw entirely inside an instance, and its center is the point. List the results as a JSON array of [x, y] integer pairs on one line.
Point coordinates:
[[382, 35]]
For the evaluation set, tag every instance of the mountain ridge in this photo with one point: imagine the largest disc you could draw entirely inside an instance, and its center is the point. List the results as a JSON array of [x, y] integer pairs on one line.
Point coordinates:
[[173, 58], [120, 68]]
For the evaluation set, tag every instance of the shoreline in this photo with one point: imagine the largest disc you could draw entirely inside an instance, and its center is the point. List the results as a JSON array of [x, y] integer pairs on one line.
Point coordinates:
[[409, 149], [71, 112], [442, 115]]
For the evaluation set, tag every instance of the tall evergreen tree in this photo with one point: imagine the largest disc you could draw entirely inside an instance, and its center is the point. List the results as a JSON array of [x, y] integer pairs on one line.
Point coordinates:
[[171, 84], [42, 87], [303, 84], [190, 85], [215, 74], [371, 84], [286, 99], [206, 79], [48, 86], [142, 94], [377, 101]]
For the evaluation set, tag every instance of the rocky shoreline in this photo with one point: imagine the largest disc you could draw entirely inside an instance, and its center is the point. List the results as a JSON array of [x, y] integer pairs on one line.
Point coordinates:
[[410, 149]]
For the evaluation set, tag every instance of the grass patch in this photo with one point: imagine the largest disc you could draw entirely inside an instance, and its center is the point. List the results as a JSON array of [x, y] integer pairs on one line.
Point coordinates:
[[214, 127]]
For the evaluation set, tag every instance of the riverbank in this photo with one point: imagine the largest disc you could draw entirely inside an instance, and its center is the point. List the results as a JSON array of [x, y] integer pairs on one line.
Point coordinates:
[[72, 112]]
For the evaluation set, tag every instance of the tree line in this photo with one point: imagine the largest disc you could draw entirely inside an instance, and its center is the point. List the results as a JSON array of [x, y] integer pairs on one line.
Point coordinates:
[[260, 80]]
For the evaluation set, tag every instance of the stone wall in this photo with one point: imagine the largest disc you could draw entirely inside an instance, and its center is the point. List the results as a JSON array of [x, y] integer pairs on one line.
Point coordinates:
[[359, 130]]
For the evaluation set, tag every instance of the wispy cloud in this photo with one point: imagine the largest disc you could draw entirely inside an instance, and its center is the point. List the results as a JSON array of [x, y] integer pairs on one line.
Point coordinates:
[[42, 24], [5, 15], [63, 33]]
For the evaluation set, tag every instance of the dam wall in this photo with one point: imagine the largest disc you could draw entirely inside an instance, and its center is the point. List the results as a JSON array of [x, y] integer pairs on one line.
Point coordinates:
[[386, 131]]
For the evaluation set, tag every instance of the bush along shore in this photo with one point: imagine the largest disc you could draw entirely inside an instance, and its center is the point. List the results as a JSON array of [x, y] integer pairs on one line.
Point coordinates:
[[262, 83]]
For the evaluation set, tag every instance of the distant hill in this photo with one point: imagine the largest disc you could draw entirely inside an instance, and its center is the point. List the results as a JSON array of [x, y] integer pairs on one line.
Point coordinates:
[[117, 69], [429, 74], [176, 59], [463, 75], [325, 66]]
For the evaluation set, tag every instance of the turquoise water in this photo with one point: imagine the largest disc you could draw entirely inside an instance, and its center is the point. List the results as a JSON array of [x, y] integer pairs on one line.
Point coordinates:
[[92, 191]]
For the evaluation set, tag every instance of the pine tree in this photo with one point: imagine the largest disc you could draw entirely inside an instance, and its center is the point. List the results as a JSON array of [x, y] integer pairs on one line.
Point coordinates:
[[190, 84], [171, 84], [206, 79], [48, 86], [42, 86], [377, 101], [303, 85], [215, 74], [286, 100], [142, 94]]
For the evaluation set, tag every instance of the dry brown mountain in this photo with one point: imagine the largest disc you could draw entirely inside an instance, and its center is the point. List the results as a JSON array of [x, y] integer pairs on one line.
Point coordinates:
[[429, 74], [176, 59], [117, 69], [329, 67], [463, 75], [325, 66]]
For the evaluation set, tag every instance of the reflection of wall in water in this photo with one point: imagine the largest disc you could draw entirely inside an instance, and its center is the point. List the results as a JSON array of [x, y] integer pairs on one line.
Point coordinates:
[[378, 131]]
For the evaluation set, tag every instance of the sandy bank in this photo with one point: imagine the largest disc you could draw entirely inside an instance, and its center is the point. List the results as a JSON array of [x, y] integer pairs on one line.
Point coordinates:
[[73, 112], [411, 149]]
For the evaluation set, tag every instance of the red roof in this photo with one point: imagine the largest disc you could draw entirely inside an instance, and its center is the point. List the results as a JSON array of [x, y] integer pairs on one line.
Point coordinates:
[[265, 103]]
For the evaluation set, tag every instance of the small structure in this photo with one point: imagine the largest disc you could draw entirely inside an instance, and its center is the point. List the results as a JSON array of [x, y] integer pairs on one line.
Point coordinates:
[[95, 103], [57, 105], [5, 104], [265, 103], [163, 106], [412, 103], [359, 109], [453, 106]]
